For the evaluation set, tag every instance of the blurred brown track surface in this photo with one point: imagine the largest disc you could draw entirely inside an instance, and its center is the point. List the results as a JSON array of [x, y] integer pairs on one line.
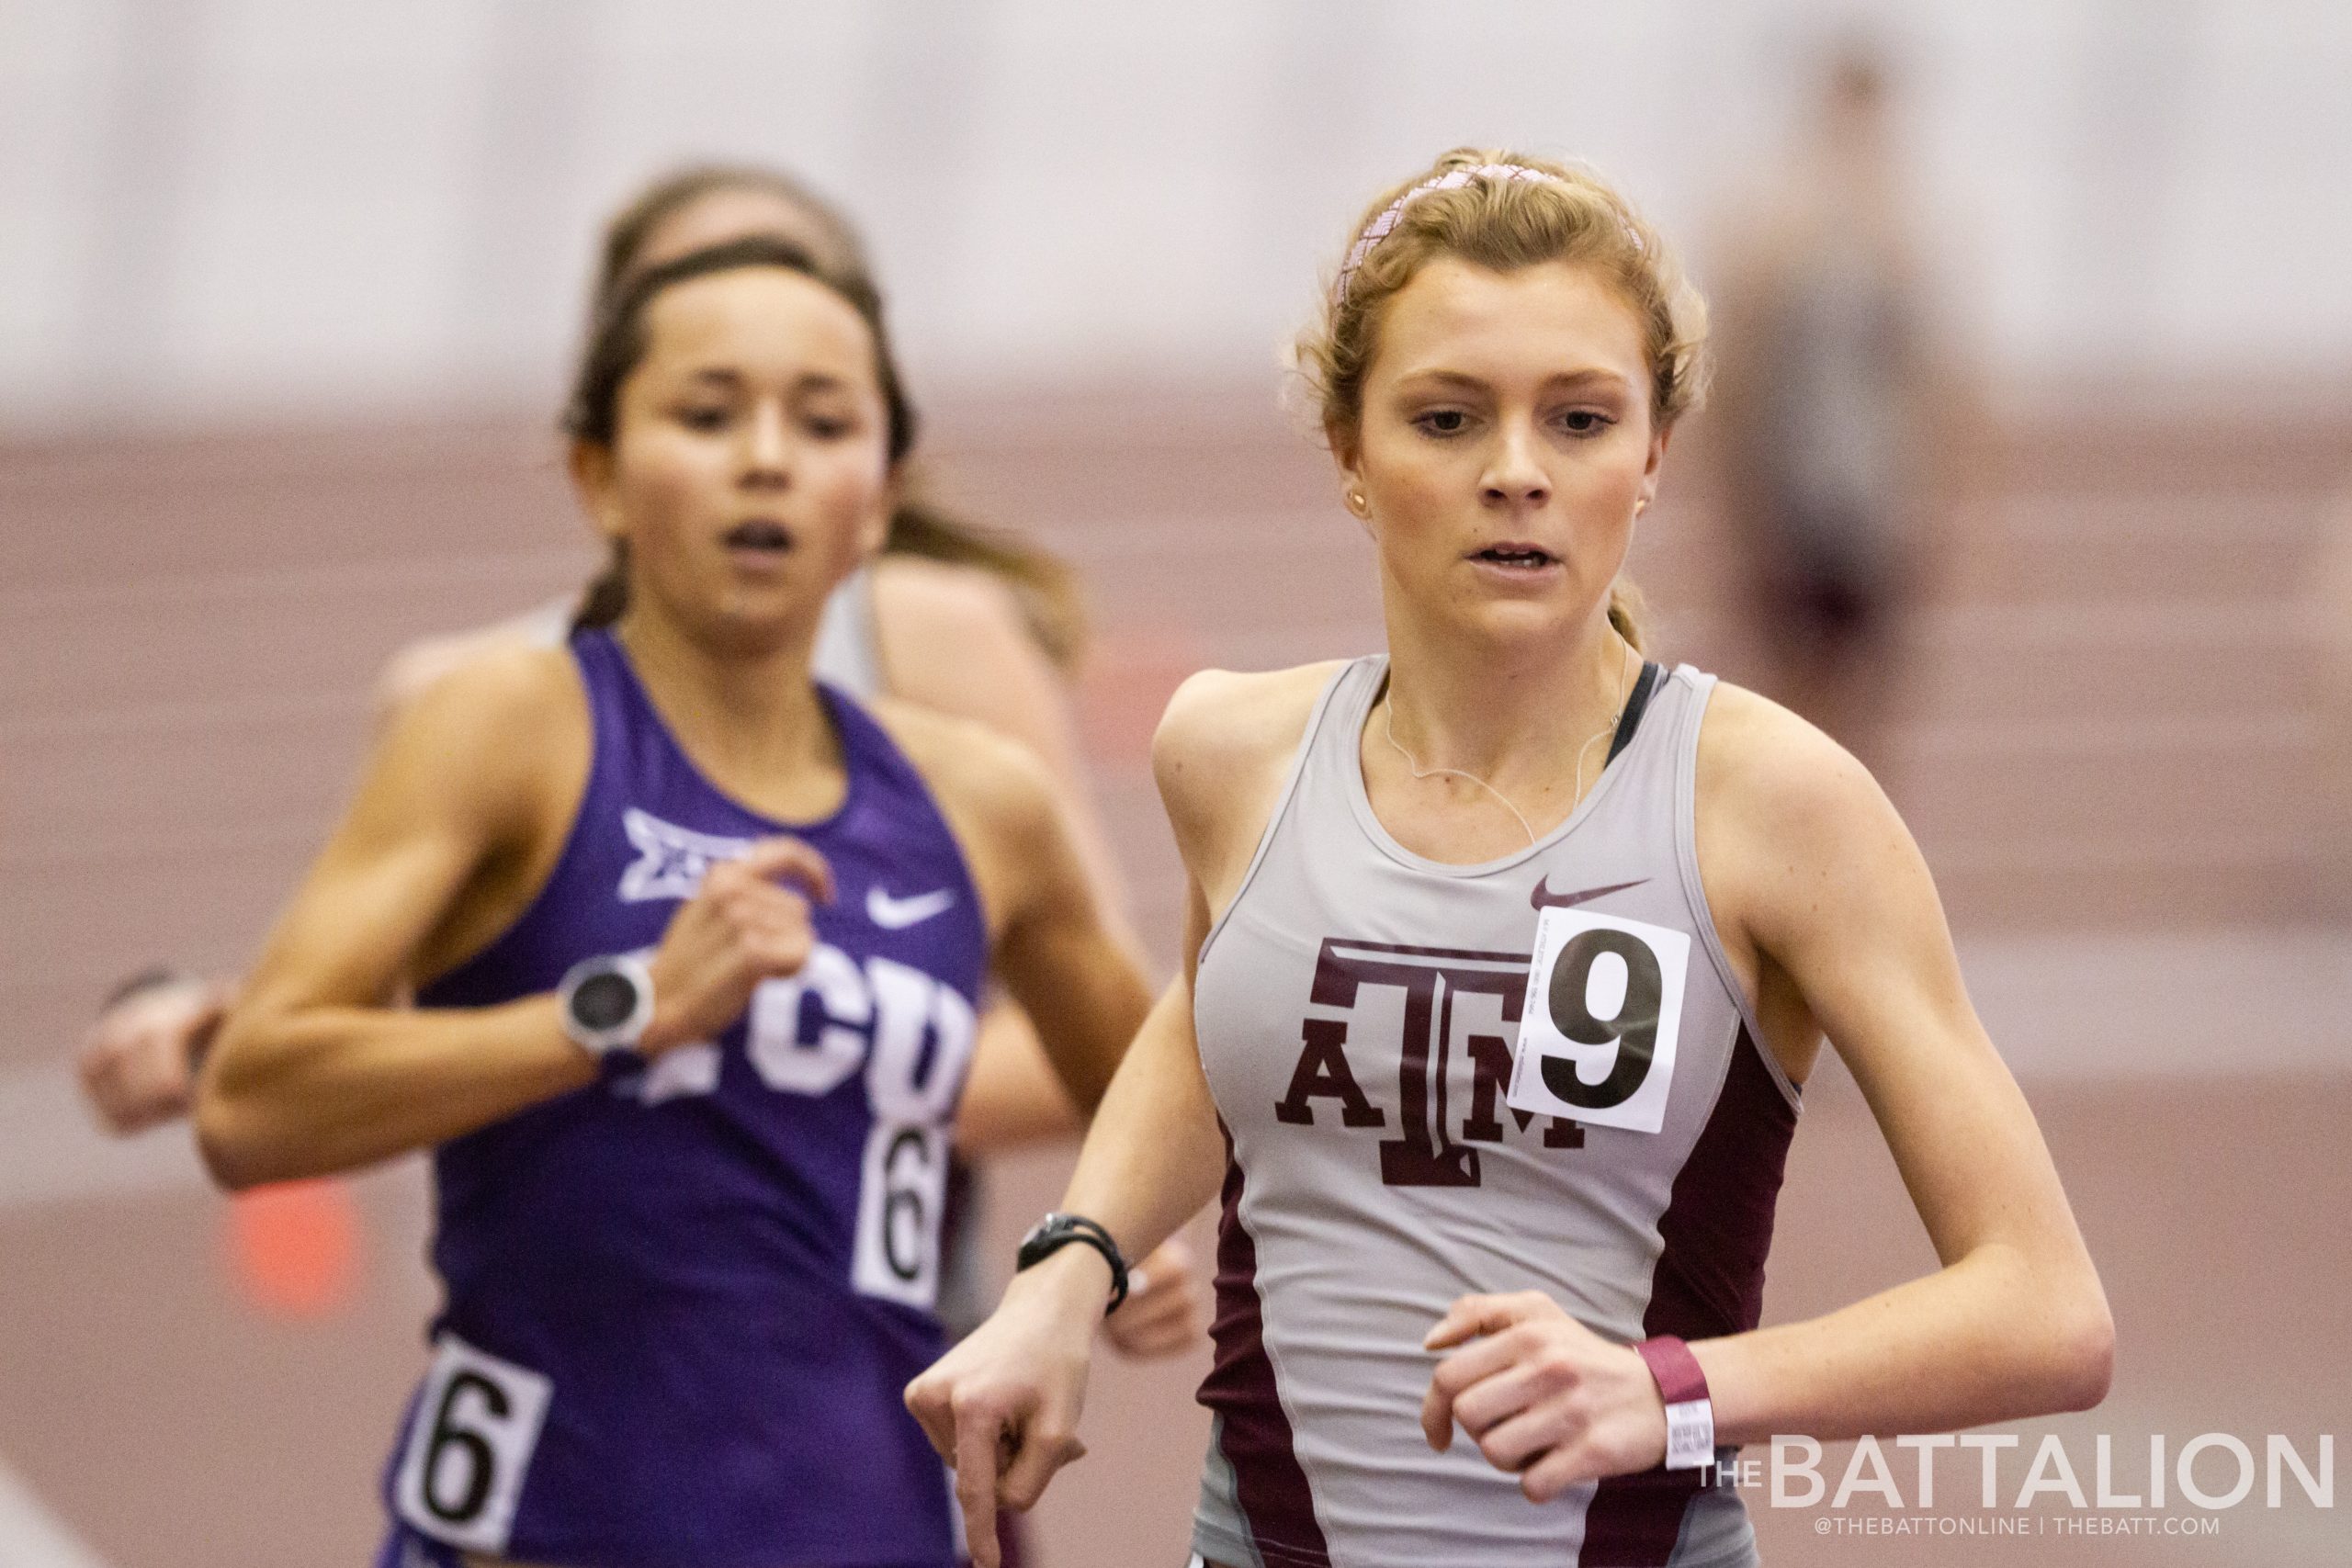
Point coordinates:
[[2105, 731]]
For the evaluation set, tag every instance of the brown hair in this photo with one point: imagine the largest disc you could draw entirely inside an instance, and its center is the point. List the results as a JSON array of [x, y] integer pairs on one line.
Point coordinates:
[[1042, 584], [1506, 224]]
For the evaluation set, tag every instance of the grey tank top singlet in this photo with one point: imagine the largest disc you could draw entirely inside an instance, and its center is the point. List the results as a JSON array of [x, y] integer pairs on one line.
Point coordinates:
[[1357, 1007]]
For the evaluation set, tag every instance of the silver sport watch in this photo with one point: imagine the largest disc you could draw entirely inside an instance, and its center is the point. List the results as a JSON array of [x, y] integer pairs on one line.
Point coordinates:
[[607, 1003]]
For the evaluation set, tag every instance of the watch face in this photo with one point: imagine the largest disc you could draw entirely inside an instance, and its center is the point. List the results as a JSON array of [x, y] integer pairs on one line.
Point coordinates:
[[604, 1001]]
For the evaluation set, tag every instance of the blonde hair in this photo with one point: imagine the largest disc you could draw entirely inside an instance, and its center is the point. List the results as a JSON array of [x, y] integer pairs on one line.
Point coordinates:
[[1478, 204]]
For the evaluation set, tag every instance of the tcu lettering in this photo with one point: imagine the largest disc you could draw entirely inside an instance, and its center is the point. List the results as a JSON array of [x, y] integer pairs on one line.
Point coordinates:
[[1429, 1148], [808, 1033]]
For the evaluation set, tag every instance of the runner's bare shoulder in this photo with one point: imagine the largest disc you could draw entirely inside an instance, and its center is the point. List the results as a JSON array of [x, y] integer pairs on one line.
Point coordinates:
[[1224, 747]]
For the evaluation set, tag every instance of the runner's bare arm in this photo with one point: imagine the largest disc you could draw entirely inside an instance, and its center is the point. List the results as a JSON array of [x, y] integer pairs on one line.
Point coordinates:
[[1051, 946], [313, 1071], [317, 1072], [1003, 1405], [954, 639], [1012, 1096], [1154, 1154], [1808, 861], [139, 1059], [1073, 975], [1224, 746], [1828, 916]]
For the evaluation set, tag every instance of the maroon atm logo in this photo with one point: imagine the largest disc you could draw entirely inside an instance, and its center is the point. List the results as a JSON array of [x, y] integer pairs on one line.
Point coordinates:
[[1435, 1143]]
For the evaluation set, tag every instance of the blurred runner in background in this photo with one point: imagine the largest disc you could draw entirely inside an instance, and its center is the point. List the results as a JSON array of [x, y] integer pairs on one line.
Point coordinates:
[[1834, 404]]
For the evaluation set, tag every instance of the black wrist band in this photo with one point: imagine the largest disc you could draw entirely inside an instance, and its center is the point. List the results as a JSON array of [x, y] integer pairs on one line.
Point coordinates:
[[1057, 1231], [154, 977]]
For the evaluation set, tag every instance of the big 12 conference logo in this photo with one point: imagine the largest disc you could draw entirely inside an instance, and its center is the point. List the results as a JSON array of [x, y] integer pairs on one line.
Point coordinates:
[[1446, 992]]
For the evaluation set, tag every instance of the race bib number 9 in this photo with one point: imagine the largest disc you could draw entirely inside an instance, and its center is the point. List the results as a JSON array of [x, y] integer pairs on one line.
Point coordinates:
[[1604, 1011], [468, 1446]]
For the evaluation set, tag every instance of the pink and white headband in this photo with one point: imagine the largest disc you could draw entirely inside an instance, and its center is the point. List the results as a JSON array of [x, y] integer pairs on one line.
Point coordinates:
[[1452, 179]]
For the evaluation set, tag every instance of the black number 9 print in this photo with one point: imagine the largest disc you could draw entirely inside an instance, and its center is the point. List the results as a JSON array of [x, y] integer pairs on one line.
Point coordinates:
[[1633, 1026]]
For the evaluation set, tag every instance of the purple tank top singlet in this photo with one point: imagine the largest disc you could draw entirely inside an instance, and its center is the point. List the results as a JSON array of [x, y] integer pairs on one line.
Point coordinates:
[[682, 1302]]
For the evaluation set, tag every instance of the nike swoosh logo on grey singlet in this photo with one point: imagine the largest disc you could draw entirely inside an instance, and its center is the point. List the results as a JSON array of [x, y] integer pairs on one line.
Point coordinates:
[[1541, 896], [897, 913]]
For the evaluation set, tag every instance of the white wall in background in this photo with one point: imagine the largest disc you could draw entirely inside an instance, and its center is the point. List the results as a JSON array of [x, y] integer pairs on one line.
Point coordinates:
[[212, 209]]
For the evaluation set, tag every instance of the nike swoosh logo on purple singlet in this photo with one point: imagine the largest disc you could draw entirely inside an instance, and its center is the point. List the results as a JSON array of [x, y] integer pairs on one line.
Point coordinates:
[[1541, 896], [897, 913]]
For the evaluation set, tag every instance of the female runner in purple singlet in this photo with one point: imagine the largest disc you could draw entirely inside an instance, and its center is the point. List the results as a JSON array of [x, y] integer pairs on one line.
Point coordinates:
[[951, 616], [698, 945]]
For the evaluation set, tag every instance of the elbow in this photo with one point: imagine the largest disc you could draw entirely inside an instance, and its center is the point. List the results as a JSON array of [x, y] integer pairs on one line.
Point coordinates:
[[2056, 1340], [243, 1133], [2072, 1362], [2050, 1345], [2083, 1361], [240, 1143], [233, 1156]]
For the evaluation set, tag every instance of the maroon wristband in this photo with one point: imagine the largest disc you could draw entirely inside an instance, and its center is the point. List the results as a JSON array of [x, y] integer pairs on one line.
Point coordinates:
[[1669, 1360], [1690, 1413]]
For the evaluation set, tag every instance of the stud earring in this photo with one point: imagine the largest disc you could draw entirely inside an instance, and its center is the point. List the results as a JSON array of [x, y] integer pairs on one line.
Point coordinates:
[[1356, 501]]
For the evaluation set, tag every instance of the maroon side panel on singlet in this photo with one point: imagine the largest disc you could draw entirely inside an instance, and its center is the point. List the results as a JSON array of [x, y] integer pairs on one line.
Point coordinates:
[[1709, 1282], [1254, 1431]]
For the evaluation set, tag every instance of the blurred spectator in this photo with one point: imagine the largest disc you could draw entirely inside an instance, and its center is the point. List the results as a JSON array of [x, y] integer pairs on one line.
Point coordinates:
[[1834, 405]]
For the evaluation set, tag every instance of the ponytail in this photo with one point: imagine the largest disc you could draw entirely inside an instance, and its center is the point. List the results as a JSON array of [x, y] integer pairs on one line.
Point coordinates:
[[1629, 613], [607, 596], [1042, 584]]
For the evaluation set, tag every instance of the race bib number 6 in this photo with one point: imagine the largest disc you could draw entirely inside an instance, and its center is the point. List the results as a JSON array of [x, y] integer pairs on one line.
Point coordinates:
[[1604, 1011], [468, 1446]]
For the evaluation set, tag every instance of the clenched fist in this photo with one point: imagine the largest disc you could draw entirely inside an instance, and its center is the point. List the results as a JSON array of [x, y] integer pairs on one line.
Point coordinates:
[[1547, 1399], [747, 922], [138, 1062]]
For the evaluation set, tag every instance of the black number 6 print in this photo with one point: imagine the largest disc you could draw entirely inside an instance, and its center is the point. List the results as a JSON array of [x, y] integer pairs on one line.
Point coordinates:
[[1633, 1027], [479, 1459]]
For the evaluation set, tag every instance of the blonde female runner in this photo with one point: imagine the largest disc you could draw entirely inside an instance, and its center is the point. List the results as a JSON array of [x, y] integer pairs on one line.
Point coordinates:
[[1508, 954]]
